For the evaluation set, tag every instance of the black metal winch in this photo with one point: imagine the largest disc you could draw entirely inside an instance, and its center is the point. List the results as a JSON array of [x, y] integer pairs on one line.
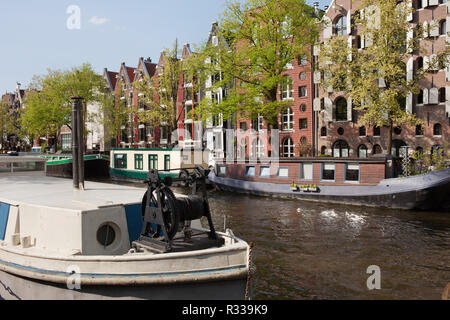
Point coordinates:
[[163, 213]]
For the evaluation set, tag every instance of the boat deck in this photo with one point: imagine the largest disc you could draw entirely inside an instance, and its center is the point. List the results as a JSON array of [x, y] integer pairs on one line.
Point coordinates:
[[199, 241], [39, 190]]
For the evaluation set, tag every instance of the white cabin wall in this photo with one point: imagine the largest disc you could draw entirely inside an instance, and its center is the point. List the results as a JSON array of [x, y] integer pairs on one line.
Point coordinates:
[[51, 229]]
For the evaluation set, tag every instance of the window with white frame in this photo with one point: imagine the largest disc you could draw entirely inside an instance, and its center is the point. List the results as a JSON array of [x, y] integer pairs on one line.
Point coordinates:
[[287, 90], [260, 123], [340, 149], [250, 171], [340, 26], [258, 148], [288, 148], [66, 141], [287, 119], [362, 151], [264, 171]]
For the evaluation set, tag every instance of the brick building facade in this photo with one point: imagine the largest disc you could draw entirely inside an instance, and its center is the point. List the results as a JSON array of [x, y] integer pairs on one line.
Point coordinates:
[[339, 133]]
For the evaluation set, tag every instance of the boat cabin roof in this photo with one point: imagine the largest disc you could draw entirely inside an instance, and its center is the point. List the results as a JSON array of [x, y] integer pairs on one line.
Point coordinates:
[[43, 191]]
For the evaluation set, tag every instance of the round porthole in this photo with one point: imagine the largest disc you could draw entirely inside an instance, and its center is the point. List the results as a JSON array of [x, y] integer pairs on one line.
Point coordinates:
[[303, 108], [106, 235], [302, 76], [341, 131]]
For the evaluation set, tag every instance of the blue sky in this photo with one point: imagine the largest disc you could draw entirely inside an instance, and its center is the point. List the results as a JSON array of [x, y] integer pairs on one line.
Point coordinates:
[[35, 35]]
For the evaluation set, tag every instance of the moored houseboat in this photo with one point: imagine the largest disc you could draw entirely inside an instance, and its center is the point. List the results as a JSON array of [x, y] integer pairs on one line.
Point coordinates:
[[134, 164], [354, 181], [60, 166]]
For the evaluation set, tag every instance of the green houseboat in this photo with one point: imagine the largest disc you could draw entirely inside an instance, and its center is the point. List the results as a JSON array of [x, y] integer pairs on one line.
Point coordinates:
[[60, 166], [134, 164]]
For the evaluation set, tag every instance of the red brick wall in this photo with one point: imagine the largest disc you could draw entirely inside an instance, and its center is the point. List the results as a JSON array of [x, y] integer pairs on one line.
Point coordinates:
[[430, 114], [296, 134]]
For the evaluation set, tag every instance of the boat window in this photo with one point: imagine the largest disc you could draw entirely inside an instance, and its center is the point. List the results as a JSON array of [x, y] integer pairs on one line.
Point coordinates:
[[106, 235], [328, 171], [250, 171], [153, 161], [120, 161], [283, 172], [166, 162], [306, 171], [264, 171], [139, 162], [352, 172], [221, 170]]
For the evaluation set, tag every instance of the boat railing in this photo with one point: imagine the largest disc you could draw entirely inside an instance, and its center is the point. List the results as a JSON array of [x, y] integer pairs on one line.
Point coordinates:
[[9, 164]]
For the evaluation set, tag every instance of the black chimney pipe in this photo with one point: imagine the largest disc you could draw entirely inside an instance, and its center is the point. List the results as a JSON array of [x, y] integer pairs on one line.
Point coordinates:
[[77, 143]]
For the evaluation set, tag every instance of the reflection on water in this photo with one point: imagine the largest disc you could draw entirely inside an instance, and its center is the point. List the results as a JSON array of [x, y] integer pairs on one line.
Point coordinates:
[[308, 250]]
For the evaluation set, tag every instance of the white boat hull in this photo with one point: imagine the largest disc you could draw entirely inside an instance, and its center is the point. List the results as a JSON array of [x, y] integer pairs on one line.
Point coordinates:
[[13, 287]]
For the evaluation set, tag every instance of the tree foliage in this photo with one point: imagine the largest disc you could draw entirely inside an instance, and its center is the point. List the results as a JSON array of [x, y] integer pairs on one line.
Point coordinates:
[[113, 115], [8, 123], [257, 40], [48, 105]]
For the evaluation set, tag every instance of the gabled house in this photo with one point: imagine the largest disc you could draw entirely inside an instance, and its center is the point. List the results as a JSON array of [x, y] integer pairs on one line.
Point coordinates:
[[216, 138], [145, 131]]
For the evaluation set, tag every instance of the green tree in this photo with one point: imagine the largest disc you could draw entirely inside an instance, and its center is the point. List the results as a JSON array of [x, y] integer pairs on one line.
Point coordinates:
[[256, 41], [4, 121], [48, 107], [113, 115], [376, 79]]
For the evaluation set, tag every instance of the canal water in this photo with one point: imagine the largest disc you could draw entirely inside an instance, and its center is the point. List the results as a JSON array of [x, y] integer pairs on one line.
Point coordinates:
[[305, 250]]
